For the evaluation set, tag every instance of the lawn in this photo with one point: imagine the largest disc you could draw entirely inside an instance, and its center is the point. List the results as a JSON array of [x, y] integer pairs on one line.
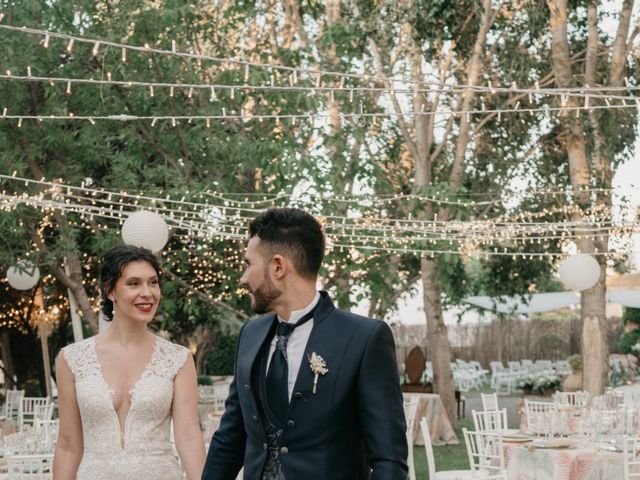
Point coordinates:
[[447, 457]]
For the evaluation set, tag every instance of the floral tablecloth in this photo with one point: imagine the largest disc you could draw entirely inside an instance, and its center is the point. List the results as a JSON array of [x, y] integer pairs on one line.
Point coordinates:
[[531, 463], [430, 405]]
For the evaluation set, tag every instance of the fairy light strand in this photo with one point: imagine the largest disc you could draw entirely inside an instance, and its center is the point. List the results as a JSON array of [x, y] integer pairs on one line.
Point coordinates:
[[226, 116], [190, 87], [299, 71]]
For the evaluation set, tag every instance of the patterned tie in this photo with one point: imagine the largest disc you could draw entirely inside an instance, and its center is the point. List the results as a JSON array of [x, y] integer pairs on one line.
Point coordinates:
[[278, 373]]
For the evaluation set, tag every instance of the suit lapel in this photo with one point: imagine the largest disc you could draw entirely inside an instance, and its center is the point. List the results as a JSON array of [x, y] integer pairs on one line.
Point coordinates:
[[320, 342], [252, 344]]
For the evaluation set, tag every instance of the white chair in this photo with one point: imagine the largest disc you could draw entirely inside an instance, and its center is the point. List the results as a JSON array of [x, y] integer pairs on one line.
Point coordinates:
[[431, 464], [43, 413], [489, 401], [213, 395], [502, 377], [48, 433], [486, 455], [631, 452], [12, 404], [27, 413], [490, 420], [30, 467], [410, 405], [538, 415], [571, 399]]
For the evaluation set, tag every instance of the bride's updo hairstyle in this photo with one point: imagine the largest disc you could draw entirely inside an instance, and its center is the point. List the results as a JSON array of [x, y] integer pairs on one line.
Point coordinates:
[[113, 263]]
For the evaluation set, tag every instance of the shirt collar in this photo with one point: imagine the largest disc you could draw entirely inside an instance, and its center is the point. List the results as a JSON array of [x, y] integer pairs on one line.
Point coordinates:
[[298, 314]]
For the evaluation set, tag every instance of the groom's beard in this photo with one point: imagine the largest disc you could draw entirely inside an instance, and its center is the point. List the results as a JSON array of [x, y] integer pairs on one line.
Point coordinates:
[[264, 296]]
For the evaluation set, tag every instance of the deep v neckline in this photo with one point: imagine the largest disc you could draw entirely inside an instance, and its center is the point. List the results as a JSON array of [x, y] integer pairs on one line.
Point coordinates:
[[122, 428]]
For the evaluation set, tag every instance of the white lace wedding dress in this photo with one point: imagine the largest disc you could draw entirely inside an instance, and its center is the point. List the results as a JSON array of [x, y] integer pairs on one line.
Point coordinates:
[[144, 450]]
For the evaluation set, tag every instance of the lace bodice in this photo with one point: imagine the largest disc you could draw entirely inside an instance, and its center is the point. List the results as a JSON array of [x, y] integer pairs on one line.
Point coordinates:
[[144, 450]]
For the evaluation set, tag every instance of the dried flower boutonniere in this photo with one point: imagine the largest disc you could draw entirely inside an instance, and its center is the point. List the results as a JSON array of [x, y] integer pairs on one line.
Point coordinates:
[[318, 367]]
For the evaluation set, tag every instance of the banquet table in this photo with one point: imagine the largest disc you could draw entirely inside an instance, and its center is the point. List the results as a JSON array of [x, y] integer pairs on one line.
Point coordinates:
[[430, 405], [526, 462]]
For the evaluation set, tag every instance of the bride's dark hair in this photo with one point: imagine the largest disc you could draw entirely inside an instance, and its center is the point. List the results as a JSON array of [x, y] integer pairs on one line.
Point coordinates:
[[113, 262]]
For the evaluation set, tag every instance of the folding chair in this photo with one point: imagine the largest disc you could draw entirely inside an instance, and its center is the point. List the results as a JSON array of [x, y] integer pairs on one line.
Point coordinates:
[[538, 415], [27, 413], [12, 404], [490, 420], [30, 467], [489, 401], [631, 452], [431, 464], [410, 406], [486, 455]]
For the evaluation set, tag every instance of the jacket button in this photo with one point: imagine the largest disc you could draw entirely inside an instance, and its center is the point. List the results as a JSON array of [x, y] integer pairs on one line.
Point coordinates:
[[284, 450], [255, 418], [291, 423], [297, 395], [264, 446], [247, 387]]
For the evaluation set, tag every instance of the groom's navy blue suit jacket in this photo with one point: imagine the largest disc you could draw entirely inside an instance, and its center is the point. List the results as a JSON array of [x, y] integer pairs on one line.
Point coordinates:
[[352, 428]]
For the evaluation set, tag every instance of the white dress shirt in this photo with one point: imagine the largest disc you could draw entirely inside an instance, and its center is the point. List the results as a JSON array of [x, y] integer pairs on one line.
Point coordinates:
[[296, 344]]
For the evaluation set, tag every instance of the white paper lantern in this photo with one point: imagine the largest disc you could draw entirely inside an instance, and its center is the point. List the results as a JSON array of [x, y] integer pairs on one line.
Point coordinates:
[[23, 276], [579, 272], [145, 229]]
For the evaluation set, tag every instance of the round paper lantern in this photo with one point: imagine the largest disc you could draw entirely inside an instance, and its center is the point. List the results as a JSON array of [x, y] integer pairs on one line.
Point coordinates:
[[579, 272], [23, 276], [145, 229]]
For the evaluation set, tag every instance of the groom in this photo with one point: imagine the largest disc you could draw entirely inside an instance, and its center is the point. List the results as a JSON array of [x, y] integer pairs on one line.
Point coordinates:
[[316, 394]]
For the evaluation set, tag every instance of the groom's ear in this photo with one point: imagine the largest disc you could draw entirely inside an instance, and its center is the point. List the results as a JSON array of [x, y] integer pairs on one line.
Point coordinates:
[[279, 266]]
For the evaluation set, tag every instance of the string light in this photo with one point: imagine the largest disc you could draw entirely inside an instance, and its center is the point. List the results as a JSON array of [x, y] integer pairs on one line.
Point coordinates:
[[317, 115], [230, 199], [317, 74], [383, 234]]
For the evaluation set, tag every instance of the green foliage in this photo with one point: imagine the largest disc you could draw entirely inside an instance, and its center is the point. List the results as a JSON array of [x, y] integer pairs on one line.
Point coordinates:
[[204, 380], [220, 360], [575, 362], [632, 315], [350, 155], [628, 341], [32, 388]]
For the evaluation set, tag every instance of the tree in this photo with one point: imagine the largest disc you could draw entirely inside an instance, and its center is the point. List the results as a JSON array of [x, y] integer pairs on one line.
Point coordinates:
[[592, 157], [165, 160]]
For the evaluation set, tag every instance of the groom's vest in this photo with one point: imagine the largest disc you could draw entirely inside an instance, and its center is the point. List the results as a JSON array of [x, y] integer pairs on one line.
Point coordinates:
[[273, 426]]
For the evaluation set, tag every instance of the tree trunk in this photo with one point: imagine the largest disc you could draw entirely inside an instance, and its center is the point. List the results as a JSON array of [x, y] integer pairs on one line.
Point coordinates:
[[437, 339], [73, 282], [7, 361], [595, 350], [595, 334], [201, 356], [500, 337]]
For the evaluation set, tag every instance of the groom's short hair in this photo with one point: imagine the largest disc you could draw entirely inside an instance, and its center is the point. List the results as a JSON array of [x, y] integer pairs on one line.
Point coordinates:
[[294, 233]]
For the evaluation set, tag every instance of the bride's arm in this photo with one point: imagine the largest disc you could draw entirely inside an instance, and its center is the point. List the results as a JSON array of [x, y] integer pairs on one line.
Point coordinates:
[[69, 445], [188, 436]]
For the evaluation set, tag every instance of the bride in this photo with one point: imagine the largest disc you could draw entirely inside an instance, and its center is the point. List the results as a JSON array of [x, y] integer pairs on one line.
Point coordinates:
[[120, 390]]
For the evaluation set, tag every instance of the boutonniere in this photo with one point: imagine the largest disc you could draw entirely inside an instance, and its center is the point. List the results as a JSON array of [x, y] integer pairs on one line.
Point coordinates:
[[318, 367]]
